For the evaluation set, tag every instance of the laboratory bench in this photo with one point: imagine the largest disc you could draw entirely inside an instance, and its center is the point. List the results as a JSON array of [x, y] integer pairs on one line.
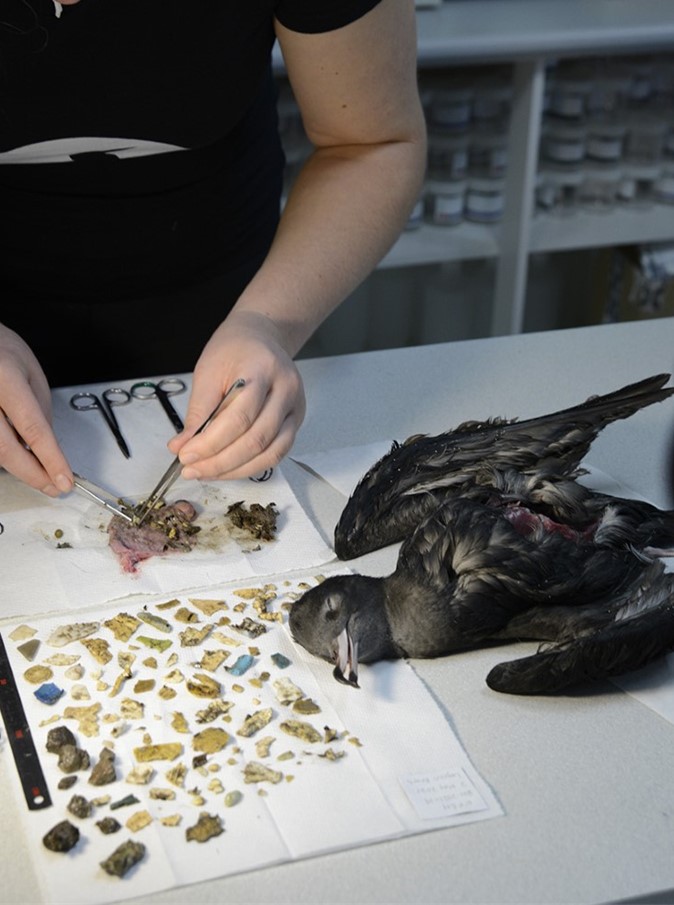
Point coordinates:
[[585, 777]]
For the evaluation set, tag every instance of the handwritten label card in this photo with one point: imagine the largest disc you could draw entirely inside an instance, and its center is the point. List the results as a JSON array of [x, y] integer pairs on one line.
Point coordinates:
[[443, 793]]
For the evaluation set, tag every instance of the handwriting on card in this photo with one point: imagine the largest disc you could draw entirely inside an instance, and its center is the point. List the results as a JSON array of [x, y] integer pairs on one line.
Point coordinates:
[[442, 793]]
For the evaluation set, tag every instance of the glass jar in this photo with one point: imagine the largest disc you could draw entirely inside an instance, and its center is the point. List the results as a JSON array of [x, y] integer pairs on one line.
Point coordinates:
[[598, 191], [557, 190], [645, 139], [491, 105], [637, 185], [664, 185], [484, 200], [605, 139], [445, 200], [448, 155], [563, 143], [451, 109], [608, 94], [569, 95], [488, 153]]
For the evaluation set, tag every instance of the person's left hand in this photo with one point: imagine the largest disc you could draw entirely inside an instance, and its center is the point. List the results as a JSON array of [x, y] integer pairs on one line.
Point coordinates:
[[258, 423]]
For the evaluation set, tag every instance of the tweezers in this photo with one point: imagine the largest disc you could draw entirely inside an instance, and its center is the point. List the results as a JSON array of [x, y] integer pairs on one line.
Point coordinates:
[[103, 497], [172, 473]]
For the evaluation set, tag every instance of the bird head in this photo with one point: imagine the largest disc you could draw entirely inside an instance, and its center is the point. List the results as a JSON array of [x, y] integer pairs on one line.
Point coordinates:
[[340, 617]]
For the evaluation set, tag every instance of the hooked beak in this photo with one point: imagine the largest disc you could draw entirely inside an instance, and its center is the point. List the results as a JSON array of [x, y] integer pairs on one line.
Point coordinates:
[[346, 660]]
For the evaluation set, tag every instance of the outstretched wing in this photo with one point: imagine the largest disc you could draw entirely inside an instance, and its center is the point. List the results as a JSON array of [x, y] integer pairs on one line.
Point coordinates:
[[408, 482]]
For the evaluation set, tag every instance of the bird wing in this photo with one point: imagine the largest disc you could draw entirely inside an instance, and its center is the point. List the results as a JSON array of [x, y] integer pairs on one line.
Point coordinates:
[[633, 634], [407, 483]]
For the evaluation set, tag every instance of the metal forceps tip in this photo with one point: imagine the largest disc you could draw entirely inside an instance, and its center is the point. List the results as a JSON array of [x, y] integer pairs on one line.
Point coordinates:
[[172, 473], [102, 497]]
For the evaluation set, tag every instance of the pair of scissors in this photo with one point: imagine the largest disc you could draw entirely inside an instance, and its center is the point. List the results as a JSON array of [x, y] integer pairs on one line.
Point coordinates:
[[85, 402], [162, 390]]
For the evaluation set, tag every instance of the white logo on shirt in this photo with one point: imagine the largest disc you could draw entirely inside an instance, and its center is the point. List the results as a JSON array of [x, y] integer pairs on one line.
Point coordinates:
[[65, 150]]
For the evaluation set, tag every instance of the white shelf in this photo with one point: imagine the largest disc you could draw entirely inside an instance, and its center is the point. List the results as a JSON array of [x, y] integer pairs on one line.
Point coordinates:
[[434, 244], [595, 230], [501, 30]]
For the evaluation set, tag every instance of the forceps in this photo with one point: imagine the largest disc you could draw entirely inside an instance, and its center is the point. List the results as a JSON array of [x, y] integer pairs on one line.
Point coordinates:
[[103, 497], [84, 402], [162, 390], [172, 473]]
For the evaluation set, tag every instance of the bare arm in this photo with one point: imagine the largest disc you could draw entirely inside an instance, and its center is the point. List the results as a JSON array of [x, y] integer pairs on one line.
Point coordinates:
[[357, 92]]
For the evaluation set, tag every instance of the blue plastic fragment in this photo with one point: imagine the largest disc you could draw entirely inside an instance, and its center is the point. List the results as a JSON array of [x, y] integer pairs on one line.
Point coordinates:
[[48, 693], [280, 661], [244, 662]]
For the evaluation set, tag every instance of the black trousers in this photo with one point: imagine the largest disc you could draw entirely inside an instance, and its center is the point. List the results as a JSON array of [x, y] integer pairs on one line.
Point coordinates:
[[157, 336]]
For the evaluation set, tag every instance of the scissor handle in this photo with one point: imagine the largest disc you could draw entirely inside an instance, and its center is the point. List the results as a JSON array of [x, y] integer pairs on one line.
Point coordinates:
[[84, 402], [117, 396], [148, 389]]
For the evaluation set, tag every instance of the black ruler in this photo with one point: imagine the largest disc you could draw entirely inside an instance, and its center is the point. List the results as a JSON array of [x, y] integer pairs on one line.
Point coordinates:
[[20, 738]]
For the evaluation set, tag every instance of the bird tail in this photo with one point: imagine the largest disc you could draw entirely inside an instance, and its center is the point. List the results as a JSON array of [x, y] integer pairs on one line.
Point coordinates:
[[645, 633]]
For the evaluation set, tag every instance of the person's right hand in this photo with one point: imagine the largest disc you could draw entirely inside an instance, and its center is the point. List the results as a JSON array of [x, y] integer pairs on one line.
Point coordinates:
[[28, 448]]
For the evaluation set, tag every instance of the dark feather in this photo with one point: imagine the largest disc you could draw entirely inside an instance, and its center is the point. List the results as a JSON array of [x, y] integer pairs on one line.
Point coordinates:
[[410, 481]]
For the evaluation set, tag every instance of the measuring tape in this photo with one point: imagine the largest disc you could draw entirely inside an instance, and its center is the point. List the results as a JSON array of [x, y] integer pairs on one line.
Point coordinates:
[[20, 738]]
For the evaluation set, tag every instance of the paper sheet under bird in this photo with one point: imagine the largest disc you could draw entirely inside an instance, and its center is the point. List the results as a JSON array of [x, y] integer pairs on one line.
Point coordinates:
[[501, 543]]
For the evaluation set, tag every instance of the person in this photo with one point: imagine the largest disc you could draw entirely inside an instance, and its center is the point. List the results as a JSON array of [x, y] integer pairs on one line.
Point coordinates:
[[140, 182]]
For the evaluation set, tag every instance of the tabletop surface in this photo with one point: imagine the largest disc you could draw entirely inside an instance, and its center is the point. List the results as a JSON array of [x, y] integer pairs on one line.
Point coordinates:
[[585, 781]]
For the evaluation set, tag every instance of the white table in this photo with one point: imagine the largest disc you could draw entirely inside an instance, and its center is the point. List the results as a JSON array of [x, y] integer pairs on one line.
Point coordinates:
[[587, 783]]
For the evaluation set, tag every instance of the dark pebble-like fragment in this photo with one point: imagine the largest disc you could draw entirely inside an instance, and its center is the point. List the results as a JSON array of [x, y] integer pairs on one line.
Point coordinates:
[[72, 759], [67, 782], [108, 825], [58, 737], [79, 806], [62, 837], [104, 771], [124, 857]]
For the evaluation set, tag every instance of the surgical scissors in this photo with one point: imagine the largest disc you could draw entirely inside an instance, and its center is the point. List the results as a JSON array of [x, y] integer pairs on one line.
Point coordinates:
[[162, 390], [84, 402]]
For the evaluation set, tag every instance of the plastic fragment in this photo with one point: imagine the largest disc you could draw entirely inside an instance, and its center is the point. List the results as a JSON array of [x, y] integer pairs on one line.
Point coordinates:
[[243, 663], [280, 661], [49, 693]]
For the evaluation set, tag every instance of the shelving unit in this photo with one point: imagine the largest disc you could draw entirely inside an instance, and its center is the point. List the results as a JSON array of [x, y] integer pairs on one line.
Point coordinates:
[[528, 35]]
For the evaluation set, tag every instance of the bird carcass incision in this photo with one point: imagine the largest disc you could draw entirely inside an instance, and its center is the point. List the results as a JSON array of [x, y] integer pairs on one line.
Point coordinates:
[[168, 529], [500, 542]]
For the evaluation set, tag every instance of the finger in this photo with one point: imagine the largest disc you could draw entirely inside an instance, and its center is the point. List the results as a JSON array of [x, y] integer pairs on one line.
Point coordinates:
[[29, 451], [263, 446], [248, 415], [267, 460], [221, 430]]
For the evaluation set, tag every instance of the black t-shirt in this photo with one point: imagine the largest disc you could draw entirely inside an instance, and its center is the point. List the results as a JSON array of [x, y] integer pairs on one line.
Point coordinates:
[[138, 139]]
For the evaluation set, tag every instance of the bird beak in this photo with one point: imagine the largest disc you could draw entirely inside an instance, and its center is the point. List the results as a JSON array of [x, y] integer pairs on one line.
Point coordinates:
[[346, 660]]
